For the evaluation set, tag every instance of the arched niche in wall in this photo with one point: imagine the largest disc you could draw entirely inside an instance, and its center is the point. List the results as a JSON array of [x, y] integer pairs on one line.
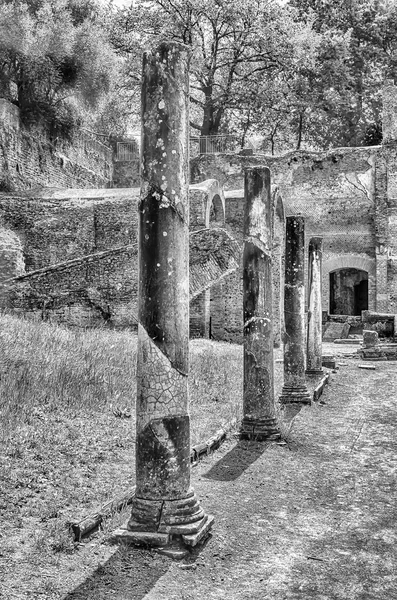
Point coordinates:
[[207, 205], [349, 284], [278, 265]]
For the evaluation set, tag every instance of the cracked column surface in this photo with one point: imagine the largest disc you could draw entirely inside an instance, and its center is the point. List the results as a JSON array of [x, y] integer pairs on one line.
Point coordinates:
[[294, 388], [314, 316], [165, 508], [259, 411]]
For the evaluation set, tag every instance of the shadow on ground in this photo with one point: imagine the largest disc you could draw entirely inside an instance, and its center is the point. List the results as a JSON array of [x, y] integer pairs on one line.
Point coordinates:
[[129, 573], [235, 462]]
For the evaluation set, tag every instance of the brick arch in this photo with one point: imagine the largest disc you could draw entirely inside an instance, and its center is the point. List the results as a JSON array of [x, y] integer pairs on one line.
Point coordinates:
[[350, 261], [207, 200]]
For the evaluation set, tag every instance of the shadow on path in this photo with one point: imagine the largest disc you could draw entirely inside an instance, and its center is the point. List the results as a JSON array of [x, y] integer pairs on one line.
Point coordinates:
[[235, 462], [129, 573]]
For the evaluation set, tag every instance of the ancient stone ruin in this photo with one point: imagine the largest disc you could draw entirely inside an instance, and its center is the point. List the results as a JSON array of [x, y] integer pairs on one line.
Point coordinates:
[[259, 410], [294, 388], [165, 510]]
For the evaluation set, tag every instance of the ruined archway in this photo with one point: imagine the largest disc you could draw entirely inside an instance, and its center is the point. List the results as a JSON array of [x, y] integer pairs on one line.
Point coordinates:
[[349, 284], [207, 205], [348, 290]]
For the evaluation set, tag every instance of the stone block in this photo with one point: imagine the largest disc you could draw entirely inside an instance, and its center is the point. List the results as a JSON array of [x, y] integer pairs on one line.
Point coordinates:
[[329, 362], [140, 538], [335, 331], [370, 338]]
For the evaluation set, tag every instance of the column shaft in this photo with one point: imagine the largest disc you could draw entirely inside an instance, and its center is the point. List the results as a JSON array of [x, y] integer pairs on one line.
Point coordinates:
[[259, 419], [314, 316], [164, 501], [294, 389]]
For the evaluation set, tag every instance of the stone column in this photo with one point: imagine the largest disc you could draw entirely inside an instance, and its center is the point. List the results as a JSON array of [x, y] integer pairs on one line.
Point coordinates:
[[294, 389], [259, 419], [314, 316], [165, 509]]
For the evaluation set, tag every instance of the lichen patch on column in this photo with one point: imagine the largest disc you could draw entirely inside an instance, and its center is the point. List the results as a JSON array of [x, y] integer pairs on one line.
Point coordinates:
[[161, 389]]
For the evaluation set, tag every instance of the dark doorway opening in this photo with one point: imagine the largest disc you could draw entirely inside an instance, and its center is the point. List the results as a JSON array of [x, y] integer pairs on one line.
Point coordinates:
[[348, 291]]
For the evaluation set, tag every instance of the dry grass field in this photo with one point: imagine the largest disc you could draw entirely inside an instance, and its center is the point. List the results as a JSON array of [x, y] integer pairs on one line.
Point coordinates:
[[67, 426]]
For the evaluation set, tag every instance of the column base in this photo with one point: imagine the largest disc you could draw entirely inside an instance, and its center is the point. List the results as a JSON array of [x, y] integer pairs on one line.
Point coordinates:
[[313, 372], [260, 430], [168, 526], [290, 395]]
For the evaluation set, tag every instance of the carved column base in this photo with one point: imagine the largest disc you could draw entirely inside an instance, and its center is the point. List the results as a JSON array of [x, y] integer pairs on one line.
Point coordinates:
[[299, 394], [259, 430], [169, 526], [313, 372]]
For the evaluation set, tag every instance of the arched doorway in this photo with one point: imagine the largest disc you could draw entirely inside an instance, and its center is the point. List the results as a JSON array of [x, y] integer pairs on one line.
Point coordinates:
[[348, 289]]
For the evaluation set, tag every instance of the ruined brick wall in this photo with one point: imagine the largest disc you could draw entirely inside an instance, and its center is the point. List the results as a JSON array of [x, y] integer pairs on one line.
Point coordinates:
[[126, 173], [78, 255], [87, 292], [336, 193], [28, 159], [70, 256], [58, 225], [226, 298]]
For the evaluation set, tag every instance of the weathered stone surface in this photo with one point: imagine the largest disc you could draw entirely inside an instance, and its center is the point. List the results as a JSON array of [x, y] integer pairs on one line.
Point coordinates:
[[370, 339], [314, 315], [29, 159], [259, 411], [164, 501], [334, 331], [294, 389]]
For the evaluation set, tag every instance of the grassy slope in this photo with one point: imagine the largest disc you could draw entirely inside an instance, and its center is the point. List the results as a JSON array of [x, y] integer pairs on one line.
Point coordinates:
[[63, 452]]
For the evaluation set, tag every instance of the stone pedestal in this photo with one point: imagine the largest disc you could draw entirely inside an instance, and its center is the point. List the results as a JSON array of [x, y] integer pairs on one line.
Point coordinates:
[[259, 412], [370, 339], [314, 316], [294, 389], [165, 510]]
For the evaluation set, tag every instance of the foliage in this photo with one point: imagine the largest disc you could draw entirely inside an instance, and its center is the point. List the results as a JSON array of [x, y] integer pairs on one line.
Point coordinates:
[[55, 60], [359, 52], [234, 45]]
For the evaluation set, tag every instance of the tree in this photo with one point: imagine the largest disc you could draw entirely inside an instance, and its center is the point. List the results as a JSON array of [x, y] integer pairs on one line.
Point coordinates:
[[55, 60], [234, 45], [347, 85]]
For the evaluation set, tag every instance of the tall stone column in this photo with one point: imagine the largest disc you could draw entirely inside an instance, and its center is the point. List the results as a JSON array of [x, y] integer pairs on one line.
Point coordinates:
[[294, 389], [314, 316], [165, 509], [259, 418]]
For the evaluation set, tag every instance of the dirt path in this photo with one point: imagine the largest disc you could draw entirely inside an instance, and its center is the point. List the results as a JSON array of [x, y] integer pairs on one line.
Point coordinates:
[[311, 519], [314, 518]]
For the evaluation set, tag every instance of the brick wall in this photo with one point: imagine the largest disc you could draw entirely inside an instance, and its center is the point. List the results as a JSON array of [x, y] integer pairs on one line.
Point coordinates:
[[28, 159], [71, 256]]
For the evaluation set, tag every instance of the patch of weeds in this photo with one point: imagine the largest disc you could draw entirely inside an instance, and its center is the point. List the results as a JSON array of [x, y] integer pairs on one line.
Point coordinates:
[[55, 538]]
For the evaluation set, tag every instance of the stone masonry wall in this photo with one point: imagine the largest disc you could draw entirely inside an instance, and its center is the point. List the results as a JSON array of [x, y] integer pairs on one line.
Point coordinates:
[[29, 160], [70, 256], [74, 255], [86, 292], [334, 191]]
